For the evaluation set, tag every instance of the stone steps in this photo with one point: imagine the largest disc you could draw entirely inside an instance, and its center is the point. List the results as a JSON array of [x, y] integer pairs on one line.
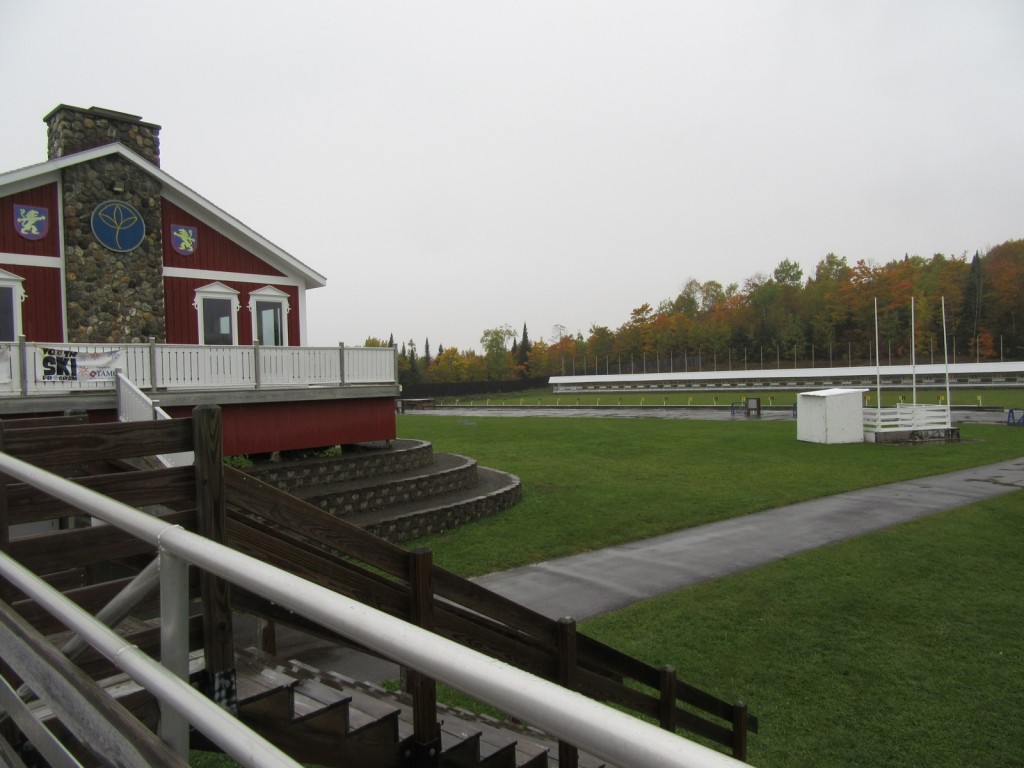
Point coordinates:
[[400, 491]]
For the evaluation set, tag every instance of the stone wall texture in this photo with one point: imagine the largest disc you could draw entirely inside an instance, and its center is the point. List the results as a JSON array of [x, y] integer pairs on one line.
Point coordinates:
[[304, 473], [73, 129], [112, 297]]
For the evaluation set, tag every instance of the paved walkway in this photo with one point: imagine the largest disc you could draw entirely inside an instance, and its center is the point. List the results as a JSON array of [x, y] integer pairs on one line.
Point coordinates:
[[593, 583], [589, 584]]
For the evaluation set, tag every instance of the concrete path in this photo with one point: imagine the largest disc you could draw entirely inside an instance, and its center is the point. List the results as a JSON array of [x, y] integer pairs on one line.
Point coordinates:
[[593, 583], [586, 585]]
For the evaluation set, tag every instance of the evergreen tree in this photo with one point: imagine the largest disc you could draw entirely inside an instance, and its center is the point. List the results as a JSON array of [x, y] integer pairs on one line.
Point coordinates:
[[970, 315], [426, 353], [523, 353], [391, 340]]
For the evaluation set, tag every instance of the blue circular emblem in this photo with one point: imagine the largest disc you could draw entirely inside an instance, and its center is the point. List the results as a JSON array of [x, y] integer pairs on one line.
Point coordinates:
[[118, 226]]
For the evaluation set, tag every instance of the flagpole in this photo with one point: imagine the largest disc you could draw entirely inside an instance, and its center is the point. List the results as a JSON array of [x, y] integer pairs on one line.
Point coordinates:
[[878, 371], [945, 357], [913, 357]]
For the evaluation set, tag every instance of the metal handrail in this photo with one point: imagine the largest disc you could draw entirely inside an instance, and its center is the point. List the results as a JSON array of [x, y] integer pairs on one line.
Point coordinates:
[[600, 730]]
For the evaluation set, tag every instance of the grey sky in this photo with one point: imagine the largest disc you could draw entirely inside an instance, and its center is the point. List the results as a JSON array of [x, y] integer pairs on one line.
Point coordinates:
[[455, 166]]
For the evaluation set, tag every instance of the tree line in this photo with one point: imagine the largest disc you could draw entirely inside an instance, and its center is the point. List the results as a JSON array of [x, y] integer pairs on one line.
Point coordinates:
[[784, 319]]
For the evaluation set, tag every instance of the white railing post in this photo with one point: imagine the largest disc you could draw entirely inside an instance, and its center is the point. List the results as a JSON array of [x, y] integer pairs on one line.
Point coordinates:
[[152, 363], [256, 362], [23, 364], [341, 359], [174, 644]]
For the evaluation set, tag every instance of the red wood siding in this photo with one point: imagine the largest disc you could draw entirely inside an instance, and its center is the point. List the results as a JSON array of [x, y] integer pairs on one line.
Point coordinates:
[[213, 252], [183, 320], [11, 241], [42, 313], [267, 427]]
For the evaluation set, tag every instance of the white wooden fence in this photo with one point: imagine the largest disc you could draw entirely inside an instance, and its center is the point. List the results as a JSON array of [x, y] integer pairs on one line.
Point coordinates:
[[906, 417], [35, 368]]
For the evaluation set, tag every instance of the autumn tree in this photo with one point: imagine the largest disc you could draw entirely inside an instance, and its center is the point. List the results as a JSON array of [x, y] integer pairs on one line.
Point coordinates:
[[496, 353]]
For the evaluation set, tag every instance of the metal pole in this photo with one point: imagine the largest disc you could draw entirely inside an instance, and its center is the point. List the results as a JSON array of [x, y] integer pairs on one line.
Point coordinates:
[[174, 727], [237, 741], [913, 357], [945, 357]]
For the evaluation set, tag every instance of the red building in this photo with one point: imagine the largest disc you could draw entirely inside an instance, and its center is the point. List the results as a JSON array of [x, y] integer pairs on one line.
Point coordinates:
[[102, 252]]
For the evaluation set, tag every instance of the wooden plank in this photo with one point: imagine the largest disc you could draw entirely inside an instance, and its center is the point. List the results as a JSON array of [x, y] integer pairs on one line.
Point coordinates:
[[90, 598], [170, 487], [35, 422], [426, 730], [64, 448], [568, 754], [252, 495], [146, 639], [96, 720], [61, 550], [317, 566], [496, 607], [45, 741], [212, 523]]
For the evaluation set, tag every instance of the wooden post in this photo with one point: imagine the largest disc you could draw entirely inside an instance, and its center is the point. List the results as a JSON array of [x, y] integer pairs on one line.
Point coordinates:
[[568, 754], [426, 730], [739, 731], [218, 631], [669, 714]]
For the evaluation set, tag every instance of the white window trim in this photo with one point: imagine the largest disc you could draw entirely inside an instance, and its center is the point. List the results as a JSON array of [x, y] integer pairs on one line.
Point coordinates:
[[17, 285], [269, 294], [217, 291]]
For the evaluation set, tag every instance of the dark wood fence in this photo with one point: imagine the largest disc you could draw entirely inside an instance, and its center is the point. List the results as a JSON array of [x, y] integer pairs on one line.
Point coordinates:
[[92, 564]]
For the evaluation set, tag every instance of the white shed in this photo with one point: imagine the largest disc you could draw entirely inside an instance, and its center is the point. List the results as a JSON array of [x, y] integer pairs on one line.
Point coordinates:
[[830, 416]]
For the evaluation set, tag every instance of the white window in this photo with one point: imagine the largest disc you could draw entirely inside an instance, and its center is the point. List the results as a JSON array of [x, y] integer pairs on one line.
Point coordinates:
[[269, 309], [12, 293], [217, 305]]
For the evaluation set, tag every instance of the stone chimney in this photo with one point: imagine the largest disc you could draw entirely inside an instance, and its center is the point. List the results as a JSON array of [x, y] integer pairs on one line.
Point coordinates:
[[73, 129]]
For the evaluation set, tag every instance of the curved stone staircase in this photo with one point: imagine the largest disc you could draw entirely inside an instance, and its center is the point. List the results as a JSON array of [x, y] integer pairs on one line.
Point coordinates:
[[398, 491]]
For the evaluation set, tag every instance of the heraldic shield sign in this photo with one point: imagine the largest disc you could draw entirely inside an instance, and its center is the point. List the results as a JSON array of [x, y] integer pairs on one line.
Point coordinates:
[[31, 221], [118, 226], [184, 240]]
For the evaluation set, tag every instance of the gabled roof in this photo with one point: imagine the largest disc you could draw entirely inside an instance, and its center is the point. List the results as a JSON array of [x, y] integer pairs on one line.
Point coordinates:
[[182, 196]]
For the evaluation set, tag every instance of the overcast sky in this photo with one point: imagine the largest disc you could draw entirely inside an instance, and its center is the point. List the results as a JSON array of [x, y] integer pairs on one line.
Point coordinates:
[[457, 166]]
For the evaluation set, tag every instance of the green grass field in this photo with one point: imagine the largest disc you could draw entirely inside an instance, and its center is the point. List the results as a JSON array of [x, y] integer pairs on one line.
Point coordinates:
[[901, 648], [990, 397], [591, 483]]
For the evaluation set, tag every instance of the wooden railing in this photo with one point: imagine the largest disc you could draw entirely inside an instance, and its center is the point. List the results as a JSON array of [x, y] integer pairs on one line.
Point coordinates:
[[275, 527], [92, 564], [37, 369]]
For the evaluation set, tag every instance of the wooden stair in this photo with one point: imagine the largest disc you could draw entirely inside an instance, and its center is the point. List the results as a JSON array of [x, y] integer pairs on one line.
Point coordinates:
[[329, 719]]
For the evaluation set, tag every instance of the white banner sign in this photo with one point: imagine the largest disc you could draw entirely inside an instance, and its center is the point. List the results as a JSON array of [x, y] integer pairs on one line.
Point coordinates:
[[72, 365]]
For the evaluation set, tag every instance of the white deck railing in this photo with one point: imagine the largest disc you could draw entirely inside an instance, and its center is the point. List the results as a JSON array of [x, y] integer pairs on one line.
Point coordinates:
[[598, 729], [907, 417], [36, 369], [135, 405]]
